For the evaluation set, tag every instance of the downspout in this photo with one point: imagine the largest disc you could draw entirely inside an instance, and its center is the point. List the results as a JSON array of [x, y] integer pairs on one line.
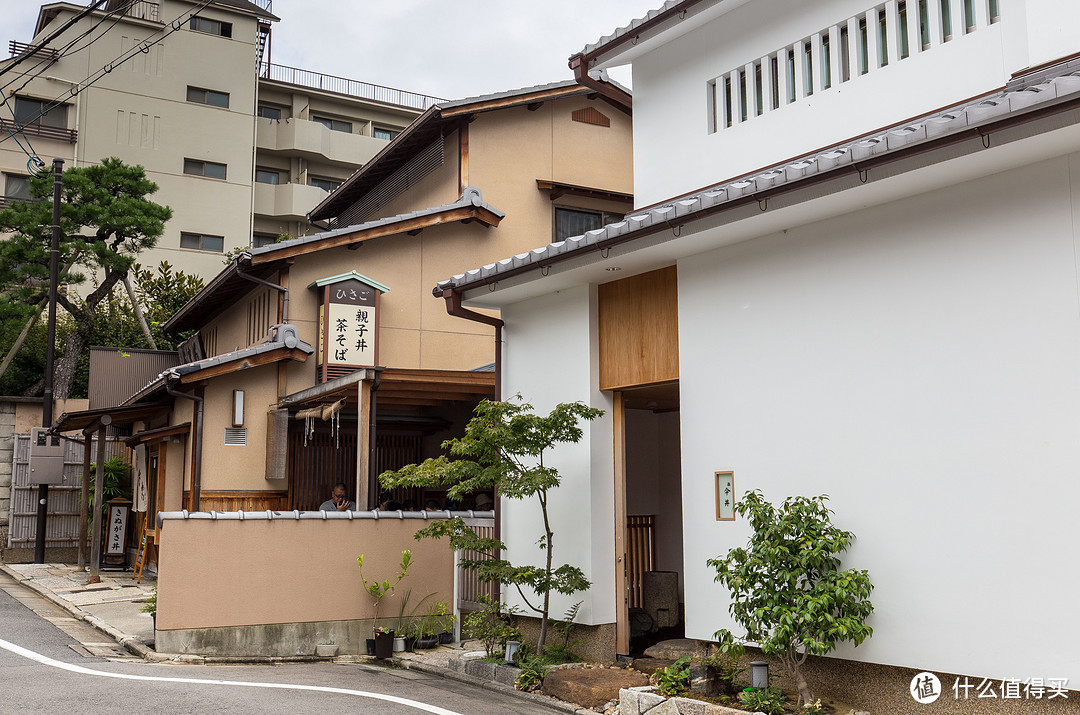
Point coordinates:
[[582, 77], [275, 286], [196, 457], [454, 308]]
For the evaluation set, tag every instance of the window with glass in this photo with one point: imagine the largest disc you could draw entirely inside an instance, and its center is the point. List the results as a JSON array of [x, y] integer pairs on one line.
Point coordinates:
[[574, 222], [336, 125], [32, 111], [268, 112], [16, 187], [211, 27], [202, 242], [387, 134], [263, 239], [324, 184], [209, 169], [208, 96], [267, 176]]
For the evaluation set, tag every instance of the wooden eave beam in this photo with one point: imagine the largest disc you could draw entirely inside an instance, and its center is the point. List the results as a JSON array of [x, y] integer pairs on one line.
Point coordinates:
[[558, 190], [228, 368], [515, 101], [459, 214], [431, 394]]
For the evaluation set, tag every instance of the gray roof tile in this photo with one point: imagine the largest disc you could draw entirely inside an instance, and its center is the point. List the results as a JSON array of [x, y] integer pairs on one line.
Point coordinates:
[[1022, 94]]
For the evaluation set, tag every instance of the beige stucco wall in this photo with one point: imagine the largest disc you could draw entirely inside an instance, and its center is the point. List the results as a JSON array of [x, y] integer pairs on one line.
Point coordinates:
[[236, 573], [235, 467], [28, 414]]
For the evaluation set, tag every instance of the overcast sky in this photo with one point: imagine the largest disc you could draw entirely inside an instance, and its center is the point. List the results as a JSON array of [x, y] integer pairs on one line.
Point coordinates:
[[446, 48]]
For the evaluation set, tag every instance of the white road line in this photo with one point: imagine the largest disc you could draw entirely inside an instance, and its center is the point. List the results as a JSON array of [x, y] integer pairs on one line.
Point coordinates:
[[19, 650]]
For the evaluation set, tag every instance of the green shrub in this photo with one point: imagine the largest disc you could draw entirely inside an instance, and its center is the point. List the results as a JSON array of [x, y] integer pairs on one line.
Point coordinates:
[[532, 674], [492, 625], [767, 700], [675, 678]]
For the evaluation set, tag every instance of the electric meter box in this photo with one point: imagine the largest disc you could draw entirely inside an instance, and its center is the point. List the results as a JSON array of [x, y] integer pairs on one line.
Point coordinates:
[[46, 457]]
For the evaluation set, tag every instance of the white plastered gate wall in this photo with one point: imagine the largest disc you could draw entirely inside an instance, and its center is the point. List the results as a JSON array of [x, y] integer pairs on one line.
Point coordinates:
[[918, 362], [550, 353]]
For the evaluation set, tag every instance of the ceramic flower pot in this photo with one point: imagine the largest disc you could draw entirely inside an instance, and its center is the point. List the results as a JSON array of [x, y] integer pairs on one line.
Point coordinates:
[[384, 645]]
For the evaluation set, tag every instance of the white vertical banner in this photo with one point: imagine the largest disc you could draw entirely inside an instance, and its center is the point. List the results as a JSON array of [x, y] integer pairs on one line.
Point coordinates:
[[141, 484]]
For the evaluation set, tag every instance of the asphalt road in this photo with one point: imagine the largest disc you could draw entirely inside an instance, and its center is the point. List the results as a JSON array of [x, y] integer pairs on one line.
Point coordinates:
[[53, 663]]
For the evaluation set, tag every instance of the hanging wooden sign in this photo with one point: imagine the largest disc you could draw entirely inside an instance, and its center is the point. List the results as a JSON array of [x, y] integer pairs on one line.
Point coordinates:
[[348, 324]]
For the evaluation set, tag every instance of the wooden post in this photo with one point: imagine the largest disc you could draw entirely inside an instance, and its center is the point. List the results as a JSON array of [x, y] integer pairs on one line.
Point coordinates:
[[363, 446], [99, 483], [84, 498], [622, 607]]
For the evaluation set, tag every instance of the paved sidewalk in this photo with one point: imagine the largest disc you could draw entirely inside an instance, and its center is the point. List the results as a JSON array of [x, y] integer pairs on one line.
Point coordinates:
[[113, 606]]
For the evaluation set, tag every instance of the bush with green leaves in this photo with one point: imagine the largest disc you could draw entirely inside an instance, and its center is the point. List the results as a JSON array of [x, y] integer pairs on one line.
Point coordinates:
[[561, 651], [116, 476], [725, 659], [787, 588], [493, 625], [504, 449], [767, 700], [675, 678], [533, 670]]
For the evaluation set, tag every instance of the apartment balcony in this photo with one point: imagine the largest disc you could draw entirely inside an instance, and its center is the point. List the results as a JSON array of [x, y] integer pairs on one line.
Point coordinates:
[[312, 140], [286, 201]]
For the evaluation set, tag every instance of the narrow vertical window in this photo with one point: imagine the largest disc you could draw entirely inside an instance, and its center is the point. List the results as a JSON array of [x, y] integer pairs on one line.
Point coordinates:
[[774, 78], [883, 38], [826, 62], [710, 92], [995, 11], [758, 87], [728, 115], [845, 55], [969, 15], [901, 10], [924, 24], [791, 77], [946, 19], [864, 48], [808, 68], [743, 109]]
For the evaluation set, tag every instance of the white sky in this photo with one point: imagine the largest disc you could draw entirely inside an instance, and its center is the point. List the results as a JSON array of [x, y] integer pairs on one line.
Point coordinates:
[[446, 48]]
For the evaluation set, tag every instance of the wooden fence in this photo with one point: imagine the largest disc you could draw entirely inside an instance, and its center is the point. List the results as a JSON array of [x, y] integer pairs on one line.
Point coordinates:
[[640, 554]]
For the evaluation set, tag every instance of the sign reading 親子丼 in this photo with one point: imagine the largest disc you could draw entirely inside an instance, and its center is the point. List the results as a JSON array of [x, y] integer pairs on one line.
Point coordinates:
[[348, 323]]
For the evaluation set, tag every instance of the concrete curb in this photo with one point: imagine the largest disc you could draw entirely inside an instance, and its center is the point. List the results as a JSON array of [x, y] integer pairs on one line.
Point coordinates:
[[130, 643], [408, 664]]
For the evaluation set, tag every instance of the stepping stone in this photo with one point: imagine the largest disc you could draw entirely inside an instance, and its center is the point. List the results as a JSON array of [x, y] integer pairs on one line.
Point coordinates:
[[648, 666], [676, 648], [591, 687]]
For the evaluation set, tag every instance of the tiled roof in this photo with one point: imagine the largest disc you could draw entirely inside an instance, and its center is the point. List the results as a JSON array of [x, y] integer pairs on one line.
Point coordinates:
[[279, 336], [629, 28], [471, 196], [1048, 87]]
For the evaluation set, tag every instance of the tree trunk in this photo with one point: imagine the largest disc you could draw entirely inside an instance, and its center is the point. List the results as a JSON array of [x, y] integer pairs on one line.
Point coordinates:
[[22, 338], [66, 365], [805, 696]]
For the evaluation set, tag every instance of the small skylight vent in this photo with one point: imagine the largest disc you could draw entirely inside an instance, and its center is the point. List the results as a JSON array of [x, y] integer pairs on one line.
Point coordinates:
[[236, 436]]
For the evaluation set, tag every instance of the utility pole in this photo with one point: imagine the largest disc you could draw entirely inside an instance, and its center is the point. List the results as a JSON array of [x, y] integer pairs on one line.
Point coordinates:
[[47, 407]]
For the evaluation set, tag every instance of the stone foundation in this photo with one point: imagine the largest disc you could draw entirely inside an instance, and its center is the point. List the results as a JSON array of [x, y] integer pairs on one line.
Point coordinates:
[[597, 642], [276, 640]]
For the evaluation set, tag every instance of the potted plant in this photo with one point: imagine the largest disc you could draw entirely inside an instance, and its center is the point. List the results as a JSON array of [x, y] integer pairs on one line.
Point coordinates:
[[384, 642], [443, 622], [378, 590], [150, 606]]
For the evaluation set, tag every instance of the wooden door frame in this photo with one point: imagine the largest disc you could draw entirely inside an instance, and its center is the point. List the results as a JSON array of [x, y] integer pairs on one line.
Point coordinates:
[[622, 591]]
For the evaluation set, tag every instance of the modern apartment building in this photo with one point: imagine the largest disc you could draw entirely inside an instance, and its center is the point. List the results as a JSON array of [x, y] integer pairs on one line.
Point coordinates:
[[241, 148]]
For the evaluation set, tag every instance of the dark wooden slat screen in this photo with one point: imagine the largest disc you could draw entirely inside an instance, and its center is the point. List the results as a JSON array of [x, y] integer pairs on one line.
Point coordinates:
[[640, 554]]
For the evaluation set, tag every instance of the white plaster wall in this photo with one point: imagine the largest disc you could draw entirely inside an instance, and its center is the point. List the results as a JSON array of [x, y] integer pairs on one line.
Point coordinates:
[[918, 363], [550, 352], [675, 153]]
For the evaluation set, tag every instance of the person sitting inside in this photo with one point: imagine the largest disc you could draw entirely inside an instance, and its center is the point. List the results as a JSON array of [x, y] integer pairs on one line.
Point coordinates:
[[431, 505], [410, 505], [338, 502], [484, 502], [388, 503]]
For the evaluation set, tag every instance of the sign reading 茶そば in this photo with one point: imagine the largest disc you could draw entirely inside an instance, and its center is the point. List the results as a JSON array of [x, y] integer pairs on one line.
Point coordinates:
[[348, 324]]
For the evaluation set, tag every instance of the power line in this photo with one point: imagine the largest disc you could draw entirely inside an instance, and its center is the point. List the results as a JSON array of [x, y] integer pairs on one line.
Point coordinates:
[[143, 47], [53, 36], [46, 61]]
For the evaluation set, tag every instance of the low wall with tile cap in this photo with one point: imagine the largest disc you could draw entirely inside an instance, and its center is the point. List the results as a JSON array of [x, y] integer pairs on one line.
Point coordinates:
[[279, 584]]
